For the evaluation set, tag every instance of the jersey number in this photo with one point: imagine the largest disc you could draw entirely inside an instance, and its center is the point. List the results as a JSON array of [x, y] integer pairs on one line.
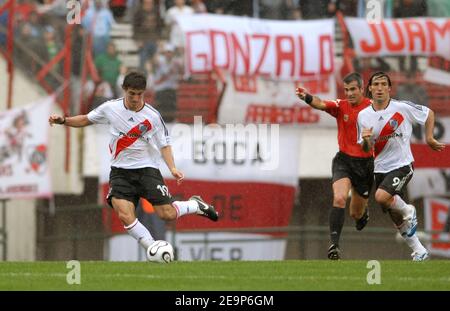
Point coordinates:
[[396, 181], [164, 190]]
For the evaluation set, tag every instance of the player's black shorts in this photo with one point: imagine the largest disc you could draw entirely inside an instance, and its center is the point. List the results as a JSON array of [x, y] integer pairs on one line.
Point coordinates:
[[358, 170], [133, 184], [394, 182]]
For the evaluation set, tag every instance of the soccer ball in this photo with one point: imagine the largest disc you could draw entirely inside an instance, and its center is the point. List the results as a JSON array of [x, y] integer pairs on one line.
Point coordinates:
[[160, 251]]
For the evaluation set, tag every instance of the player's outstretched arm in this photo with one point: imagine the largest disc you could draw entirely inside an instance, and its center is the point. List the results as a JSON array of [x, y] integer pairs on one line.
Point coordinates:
[[167, 155], [76, 121], [311, 100], [429, 129]]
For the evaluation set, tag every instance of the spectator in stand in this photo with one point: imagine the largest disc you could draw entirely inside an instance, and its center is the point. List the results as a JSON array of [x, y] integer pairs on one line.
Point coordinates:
[[25, 8], [109, 65], [96, 93], [315, 9], [98, 21], [198, 6], [118, 8], [36, 25], [167, 73], [147, 27], [348, 7], [176, 35]]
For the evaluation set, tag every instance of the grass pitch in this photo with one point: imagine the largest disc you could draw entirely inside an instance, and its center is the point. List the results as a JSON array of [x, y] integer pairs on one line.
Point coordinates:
[[290, 275]]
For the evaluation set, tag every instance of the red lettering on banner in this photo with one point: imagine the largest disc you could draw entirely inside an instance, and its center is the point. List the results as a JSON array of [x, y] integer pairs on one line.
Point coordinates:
[[326, 40], [260, 113], [285, 55], [241, 53], [365, 47], [434, 30], [303, 72], [427, 33], [246, 84], [266, 40], [213, 34], [391, 46], [414, 29], [190, 55]]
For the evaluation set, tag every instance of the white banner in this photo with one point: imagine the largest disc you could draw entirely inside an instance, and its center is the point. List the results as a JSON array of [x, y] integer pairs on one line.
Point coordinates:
[[261, 100], [409, 36], [289, 50], [226, 153], [245, 172], [436, 213], [24, 167], [221, 246]]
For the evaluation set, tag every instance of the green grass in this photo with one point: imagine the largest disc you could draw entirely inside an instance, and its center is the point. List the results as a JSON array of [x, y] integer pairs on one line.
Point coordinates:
[[291, 275]]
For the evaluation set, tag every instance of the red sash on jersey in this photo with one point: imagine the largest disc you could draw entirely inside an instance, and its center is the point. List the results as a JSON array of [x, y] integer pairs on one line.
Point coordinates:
[[388, 129], [132, 135]]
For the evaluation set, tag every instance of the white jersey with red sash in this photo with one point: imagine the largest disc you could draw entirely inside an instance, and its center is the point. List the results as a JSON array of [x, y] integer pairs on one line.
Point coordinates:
[[392, 129], [136, 135]]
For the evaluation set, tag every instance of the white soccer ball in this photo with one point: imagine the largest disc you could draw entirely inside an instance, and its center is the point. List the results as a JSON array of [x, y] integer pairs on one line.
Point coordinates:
[[160, 251]]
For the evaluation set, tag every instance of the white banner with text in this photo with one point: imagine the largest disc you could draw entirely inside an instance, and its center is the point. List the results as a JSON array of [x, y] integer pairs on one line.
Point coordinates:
[[286, 50]]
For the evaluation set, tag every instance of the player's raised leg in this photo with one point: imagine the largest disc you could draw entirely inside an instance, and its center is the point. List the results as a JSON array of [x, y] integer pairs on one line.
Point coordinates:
[[195, 205], [359, 210]]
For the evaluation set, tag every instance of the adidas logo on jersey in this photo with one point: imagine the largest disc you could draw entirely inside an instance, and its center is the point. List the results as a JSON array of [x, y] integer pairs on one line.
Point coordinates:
[[381, 118], [131, 119]]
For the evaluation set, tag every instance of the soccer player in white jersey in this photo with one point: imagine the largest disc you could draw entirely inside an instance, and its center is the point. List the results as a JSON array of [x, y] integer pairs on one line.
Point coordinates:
[[136, 128], [385, 127]]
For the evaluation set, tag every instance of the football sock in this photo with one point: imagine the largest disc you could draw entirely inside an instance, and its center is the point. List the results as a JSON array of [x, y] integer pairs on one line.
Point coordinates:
[[400, 206], [337, 217], [140, 233], [185, 207], [414, 243]]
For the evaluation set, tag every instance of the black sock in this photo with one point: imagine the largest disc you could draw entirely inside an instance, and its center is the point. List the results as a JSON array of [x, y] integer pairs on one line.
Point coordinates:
[[337, 217]]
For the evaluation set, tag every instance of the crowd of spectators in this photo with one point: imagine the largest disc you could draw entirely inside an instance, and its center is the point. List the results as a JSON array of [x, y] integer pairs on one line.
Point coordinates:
[[40, 24]]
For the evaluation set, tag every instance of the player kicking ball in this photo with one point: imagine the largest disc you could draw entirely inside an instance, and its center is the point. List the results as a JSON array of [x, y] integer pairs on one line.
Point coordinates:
[[135, 128]]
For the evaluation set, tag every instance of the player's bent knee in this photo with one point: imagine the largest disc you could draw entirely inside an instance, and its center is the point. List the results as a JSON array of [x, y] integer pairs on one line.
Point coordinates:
[[340, 201], [356, 215], [382, 198]]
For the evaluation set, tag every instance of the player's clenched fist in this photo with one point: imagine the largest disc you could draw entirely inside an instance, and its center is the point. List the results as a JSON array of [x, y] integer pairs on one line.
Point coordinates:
[[54, 119]]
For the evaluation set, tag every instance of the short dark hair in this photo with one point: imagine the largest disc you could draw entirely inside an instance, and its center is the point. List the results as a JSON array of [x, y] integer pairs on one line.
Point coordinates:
[[354, 76], [135, 80], [376, 75]]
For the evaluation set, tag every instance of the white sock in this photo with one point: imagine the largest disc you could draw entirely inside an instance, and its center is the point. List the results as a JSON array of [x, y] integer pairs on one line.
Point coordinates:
[[140, 233], [400, 206], [185, 207], [414, 243]]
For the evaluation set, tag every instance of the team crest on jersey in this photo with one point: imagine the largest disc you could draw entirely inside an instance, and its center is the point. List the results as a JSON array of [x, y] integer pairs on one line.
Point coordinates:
[[393, 123], [345, 117], [143, 128]]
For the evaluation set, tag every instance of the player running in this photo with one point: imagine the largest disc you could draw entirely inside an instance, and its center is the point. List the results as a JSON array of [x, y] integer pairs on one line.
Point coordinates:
[[385, 127], [352, 167]]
